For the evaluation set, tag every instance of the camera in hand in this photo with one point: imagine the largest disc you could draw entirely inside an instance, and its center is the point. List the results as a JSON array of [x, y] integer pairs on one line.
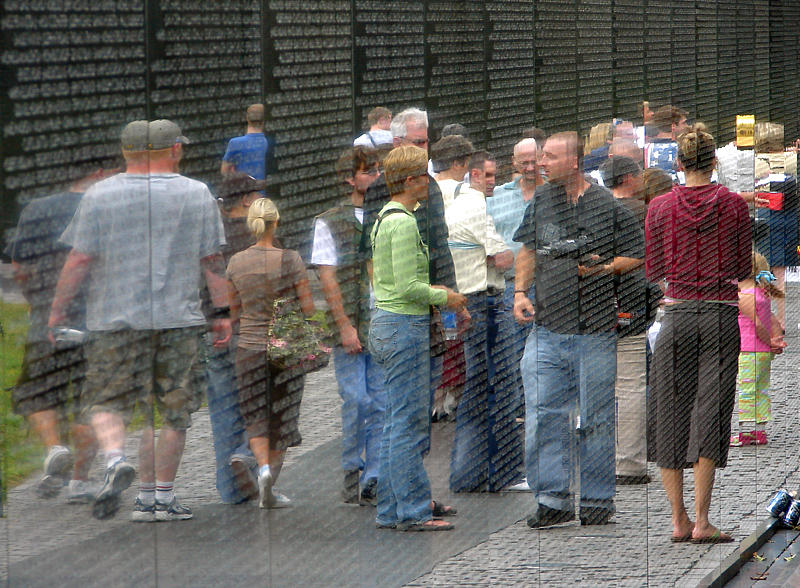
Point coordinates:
[[569, 249]]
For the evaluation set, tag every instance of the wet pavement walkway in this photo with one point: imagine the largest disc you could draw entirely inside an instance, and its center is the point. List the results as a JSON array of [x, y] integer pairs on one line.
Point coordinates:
[[321, 543]]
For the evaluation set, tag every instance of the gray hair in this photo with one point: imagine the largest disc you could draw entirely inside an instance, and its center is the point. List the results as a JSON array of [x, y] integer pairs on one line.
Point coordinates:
[[401, 120]]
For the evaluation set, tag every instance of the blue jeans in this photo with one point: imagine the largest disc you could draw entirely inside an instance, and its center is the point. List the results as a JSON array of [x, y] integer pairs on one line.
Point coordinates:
[[361, 386], [562, 373], [227, 425], [400, 343], [487, 450], [518, 332]]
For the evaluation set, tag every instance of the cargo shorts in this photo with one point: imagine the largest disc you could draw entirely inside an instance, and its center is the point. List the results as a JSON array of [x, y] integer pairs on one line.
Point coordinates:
[[126, 369]]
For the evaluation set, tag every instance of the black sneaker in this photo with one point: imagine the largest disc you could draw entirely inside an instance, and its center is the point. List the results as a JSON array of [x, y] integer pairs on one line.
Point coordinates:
[[118, 478], [547, 517], [244, 480], [350, 487], [173, 511], [594, 515], [143, 513], [369, 493]]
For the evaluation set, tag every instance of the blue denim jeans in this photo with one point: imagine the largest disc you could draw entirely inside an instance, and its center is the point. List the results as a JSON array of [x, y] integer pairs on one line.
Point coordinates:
[[519, 332], [401, 345], [563, 374], [361, 386], [487, 449], [227, 425]]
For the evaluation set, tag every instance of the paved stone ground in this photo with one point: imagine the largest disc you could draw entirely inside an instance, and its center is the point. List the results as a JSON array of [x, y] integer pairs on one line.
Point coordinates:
[[633, 552], [776, 565]]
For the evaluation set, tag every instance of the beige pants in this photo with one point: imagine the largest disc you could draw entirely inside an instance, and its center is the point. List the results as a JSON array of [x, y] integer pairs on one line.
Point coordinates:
[[631, 395]]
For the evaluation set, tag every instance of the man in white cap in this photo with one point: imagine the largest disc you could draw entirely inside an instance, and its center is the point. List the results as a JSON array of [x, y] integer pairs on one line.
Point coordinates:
[[143, 239]]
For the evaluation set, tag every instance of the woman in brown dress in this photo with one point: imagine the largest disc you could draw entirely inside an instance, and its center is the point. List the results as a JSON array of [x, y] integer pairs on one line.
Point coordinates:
[[269, 397]]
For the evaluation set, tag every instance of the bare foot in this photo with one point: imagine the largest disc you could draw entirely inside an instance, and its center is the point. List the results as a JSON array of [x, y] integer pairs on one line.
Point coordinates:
[[683, 530], [711, 534]]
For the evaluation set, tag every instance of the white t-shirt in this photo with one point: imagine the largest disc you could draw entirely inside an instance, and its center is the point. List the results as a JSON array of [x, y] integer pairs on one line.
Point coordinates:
[[379, 137], [146, 236], [323, 250]]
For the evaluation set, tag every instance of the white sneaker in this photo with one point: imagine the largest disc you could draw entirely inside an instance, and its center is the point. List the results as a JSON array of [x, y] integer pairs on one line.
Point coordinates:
[[57, 465], [266, 499], [82, 491], [58, 461], [172, 511], [280, 501], [521, 487]]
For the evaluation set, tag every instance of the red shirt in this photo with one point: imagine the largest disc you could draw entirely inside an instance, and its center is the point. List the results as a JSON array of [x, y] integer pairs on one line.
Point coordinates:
[[700, 240]]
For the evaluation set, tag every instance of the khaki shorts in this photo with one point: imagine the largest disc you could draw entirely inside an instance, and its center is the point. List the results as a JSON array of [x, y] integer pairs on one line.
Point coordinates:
[[127, 368]]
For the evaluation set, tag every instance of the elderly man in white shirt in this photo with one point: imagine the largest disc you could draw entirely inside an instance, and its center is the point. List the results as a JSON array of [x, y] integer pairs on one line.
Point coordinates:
[[486, 452]]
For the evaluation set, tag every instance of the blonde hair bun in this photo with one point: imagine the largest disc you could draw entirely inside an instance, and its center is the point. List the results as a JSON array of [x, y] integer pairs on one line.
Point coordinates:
[[262, 216]]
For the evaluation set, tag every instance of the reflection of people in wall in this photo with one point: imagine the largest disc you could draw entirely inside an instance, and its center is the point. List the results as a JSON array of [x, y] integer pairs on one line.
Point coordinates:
[[248, 153], [143, 311]]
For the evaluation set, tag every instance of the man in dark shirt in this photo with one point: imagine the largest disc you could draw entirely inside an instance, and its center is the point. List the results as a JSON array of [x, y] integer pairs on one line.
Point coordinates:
[[637, 299], [575, 238], [49, 385]]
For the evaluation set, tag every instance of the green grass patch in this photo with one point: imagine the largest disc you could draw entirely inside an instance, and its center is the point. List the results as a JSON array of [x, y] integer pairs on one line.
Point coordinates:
[[20, 452]]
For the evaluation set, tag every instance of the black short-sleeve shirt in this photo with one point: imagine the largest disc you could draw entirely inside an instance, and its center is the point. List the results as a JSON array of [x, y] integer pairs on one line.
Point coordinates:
[[564, 235]]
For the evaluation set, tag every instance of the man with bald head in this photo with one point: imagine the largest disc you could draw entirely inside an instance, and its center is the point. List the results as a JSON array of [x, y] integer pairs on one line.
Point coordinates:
[[509, 201], [507, 208]]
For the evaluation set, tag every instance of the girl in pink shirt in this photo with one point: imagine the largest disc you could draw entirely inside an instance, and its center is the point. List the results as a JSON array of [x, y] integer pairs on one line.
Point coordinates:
[[762, 339]]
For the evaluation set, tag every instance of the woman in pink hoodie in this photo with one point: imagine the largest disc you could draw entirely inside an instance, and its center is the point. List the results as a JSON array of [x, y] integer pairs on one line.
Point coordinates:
[[699, 241]]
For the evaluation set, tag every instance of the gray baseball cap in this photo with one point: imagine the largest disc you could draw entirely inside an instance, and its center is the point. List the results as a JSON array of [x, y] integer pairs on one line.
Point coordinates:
[[158, 134]]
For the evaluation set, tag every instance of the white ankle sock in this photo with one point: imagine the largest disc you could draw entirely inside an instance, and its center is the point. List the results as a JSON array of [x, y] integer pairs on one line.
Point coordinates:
[[164, 491], [147, 493], [263, 471]]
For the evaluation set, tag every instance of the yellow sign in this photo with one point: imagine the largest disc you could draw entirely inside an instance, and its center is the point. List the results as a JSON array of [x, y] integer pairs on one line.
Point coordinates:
[[745, 127]]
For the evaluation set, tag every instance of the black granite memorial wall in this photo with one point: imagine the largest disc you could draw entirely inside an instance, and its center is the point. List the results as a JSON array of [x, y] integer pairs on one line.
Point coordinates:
[[74, 72]]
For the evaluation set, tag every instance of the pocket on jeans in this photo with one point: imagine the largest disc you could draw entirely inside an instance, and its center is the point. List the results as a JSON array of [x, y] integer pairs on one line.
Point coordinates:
[[382, 340]]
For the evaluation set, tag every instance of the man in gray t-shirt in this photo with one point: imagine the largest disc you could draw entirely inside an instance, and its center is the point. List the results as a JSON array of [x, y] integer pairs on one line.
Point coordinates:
[[143, 240]]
